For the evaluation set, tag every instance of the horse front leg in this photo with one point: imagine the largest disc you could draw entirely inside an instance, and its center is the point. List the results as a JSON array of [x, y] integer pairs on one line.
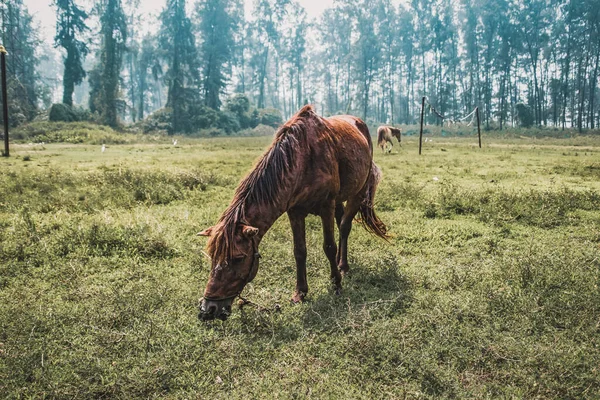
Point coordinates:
[[329, 247], [299, 233]]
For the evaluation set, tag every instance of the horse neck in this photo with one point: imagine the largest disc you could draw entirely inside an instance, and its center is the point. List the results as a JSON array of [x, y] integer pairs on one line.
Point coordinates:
[[262, 213], [263, 216]]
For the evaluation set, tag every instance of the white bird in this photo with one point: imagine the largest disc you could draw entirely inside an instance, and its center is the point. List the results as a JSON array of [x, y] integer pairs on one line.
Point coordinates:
[[425, 140], [174, 142], [435, 178], [103, 148]]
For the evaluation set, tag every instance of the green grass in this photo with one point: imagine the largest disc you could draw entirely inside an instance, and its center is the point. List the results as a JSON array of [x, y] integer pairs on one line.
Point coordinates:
[[489, 287]]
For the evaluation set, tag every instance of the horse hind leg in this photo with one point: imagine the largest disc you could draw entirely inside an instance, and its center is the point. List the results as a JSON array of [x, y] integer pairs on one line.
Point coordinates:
[[350, 211], [329, 247], [339, 213]]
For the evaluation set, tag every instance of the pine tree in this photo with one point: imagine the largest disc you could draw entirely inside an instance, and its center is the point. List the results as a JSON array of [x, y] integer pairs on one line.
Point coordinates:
[[69, 25], [217, 28], [179, 50], [104, 79], [20, 39]]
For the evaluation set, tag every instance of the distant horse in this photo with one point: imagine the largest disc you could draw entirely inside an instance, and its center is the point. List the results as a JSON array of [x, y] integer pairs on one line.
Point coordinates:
[[384, 136], [313, 166]]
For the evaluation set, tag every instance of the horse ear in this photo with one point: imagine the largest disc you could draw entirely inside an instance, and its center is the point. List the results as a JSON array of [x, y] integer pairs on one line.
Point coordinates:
[[206, 232], [249, 231]]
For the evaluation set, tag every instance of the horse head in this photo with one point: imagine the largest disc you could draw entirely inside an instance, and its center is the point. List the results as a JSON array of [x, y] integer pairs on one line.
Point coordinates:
[[234, 257]]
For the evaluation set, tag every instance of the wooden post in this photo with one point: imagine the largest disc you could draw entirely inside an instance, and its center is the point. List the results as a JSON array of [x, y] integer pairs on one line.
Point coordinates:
[[478, 127], [3, 53], [421, 131]]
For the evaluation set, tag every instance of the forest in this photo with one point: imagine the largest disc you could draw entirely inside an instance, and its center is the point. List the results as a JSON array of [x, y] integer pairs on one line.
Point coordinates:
[[224, 66]]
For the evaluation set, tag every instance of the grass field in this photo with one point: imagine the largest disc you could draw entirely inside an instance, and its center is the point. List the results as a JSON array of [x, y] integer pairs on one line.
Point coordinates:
[[489, 287]]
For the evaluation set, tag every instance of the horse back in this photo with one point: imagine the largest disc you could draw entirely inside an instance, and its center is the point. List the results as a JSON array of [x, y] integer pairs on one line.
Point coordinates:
[[351, 129]]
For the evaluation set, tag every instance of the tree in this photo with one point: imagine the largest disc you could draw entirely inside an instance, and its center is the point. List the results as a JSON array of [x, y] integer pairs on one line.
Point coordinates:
[[295, 49], [19, 37], [179, 50], [147, 66], [69, 25], [217, 27], [104, 79], [368, 53]]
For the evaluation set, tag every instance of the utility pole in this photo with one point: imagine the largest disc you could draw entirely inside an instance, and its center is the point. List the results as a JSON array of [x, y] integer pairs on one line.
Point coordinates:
[[3, 54]]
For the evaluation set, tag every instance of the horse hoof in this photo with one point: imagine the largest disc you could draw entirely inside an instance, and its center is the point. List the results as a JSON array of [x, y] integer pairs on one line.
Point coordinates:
[[338, 291], [298, 297]]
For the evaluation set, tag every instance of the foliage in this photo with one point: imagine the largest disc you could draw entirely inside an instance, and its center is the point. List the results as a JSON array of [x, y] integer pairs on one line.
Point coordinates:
[[158, 121], [181, 55], [63, 112], [148, 66], [71, 23], [20, 38], [69, 132], [524, 115], [104, 78], [237, 115], [270, 117], [217, 26], [259, 130]]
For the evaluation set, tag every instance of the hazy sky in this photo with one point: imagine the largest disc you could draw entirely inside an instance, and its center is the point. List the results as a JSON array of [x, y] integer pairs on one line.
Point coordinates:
[[44, 14]]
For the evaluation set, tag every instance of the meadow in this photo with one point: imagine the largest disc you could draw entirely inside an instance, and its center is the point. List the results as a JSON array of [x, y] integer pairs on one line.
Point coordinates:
[[488, 287]]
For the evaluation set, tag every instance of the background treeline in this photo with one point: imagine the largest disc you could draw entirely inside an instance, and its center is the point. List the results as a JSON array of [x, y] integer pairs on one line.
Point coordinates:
[[226, 65]]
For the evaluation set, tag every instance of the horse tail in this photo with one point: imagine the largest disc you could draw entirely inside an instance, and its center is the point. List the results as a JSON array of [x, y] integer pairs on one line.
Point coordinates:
[[369, 219], [380, 136]]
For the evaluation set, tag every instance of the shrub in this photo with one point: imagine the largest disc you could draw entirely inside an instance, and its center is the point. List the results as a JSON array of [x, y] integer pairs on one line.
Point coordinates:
[[229, 122], [524, 115], [270, 116], [239, 105], [64, 113], [203, 117], [159, 120], [70, 132], [260, 130]]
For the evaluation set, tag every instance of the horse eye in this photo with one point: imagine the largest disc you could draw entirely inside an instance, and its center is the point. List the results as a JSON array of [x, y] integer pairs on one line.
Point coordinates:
[[237, 260]]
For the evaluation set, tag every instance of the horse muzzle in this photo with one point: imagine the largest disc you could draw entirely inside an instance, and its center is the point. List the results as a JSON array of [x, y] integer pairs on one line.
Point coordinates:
[[211, 309]]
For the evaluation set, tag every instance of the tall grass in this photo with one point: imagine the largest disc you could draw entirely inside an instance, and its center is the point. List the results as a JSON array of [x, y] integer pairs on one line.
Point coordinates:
[[489, 288]]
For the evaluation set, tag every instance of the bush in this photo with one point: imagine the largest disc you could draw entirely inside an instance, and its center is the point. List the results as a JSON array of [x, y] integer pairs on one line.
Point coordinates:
[[70, 132], [200, 120], [158, 121], [260, 130], [239, 105], [524, 115], [270, 116], [60, 112], [229, 122]]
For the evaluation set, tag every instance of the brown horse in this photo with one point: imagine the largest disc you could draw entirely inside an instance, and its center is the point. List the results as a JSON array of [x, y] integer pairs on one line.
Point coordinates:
[[313, 166], [385, 134]]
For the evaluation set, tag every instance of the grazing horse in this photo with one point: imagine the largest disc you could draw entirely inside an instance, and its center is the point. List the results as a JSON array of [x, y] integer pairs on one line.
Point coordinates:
[[313, 166], [384, 136]]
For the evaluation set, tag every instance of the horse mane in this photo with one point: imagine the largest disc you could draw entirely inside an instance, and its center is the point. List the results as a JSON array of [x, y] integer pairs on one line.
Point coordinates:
[[263, 184]]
